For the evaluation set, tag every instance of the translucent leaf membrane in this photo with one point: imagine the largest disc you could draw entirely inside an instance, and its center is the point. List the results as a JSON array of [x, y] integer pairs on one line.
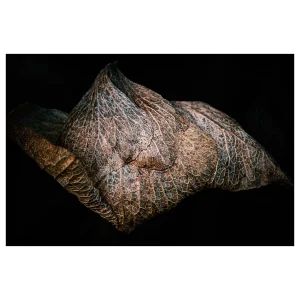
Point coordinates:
[[242, 162]]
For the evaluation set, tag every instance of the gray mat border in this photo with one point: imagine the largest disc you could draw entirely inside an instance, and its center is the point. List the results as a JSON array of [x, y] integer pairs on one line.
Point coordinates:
[[3, 152], [152, 50]]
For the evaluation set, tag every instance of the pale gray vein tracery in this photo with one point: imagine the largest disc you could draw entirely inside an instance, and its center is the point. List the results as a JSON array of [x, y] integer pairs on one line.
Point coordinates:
[[131, 142], [243, 163], [129, 154]]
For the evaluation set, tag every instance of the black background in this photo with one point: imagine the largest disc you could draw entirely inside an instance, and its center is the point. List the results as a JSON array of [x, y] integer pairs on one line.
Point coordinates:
[[256, 90]]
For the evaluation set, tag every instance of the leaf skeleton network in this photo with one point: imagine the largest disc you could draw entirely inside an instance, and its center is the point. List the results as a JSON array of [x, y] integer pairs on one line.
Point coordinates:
[[129, 154]]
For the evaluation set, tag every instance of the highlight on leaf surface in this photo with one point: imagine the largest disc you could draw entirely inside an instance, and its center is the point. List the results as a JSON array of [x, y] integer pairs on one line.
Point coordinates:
[[129, 154]]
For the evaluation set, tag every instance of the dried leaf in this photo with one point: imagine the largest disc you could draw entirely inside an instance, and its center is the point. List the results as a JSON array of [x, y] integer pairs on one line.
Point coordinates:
[[129, 154]]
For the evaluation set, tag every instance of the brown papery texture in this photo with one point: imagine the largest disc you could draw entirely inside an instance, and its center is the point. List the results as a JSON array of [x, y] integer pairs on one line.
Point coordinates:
[[129, 154]]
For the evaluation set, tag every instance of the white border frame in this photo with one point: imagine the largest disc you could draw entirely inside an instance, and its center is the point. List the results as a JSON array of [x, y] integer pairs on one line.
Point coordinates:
[[164, 246]]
